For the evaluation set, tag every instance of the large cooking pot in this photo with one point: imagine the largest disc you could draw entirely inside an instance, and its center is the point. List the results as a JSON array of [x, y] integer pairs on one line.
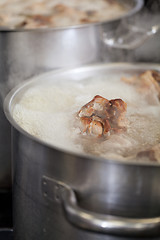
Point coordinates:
[[24, 53], [59, 194]]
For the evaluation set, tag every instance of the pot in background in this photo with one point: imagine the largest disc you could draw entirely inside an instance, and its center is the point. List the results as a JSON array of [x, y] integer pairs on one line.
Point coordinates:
[[63, 195]]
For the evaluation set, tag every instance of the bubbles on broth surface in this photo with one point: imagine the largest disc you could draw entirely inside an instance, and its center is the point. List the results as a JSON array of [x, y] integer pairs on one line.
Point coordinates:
[[48, 112]]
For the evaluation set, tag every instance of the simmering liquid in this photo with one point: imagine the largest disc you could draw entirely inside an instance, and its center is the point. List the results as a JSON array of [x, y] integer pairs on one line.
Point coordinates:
[[48, 112], [58, 13]]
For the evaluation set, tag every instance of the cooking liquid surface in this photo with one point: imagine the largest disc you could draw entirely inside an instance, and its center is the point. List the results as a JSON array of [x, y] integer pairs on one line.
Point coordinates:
[[58, 13], [48, 112]]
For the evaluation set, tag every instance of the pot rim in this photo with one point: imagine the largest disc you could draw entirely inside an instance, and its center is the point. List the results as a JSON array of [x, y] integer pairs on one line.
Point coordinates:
[[138, 6], [13, 93]]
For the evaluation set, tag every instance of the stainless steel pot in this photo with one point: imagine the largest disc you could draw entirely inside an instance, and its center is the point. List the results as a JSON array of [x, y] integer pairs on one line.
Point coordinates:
[[58, 194], [25, 53]]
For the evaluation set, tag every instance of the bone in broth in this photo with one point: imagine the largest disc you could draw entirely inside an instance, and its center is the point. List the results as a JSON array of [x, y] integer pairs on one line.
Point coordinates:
[[49, 111]]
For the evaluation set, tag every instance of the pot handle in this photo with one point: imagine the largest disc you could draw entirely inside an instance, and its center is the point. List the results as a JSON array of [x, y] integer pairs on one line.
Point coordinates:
[[96, 222], [128, 37]]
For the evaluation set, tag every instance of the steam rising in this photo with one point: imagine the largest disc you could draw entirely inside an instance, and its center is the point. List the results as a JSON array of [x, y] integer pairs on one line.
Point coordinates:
[[148, 50]]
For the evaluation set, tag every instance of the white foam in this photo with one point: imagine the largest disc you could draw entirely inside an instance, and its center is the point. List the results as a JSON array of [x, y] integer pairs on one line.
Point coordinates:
[[48, 112]]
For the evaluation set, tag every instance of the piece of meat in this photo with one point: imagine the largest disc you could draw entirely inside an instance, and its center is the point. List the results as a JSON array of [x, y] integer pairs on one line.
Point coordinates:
[[96, 106], [147, 84], [117, 112], [153, 154], [34, 21], [101, 117], [155, 75], [95, 125], [64, 15]]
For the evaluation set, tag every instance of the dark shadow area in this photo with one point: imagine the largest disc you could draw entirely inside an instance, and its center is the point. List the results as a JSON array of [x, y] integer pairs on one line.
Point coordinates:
[[5, 209], [6, 234]]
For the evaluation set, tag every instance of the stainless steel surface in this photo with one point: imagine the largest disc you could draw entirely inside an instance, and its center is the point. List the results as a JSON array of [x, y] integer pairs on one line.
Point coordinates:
[[26, 53], [102, 223], [115, 188]]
